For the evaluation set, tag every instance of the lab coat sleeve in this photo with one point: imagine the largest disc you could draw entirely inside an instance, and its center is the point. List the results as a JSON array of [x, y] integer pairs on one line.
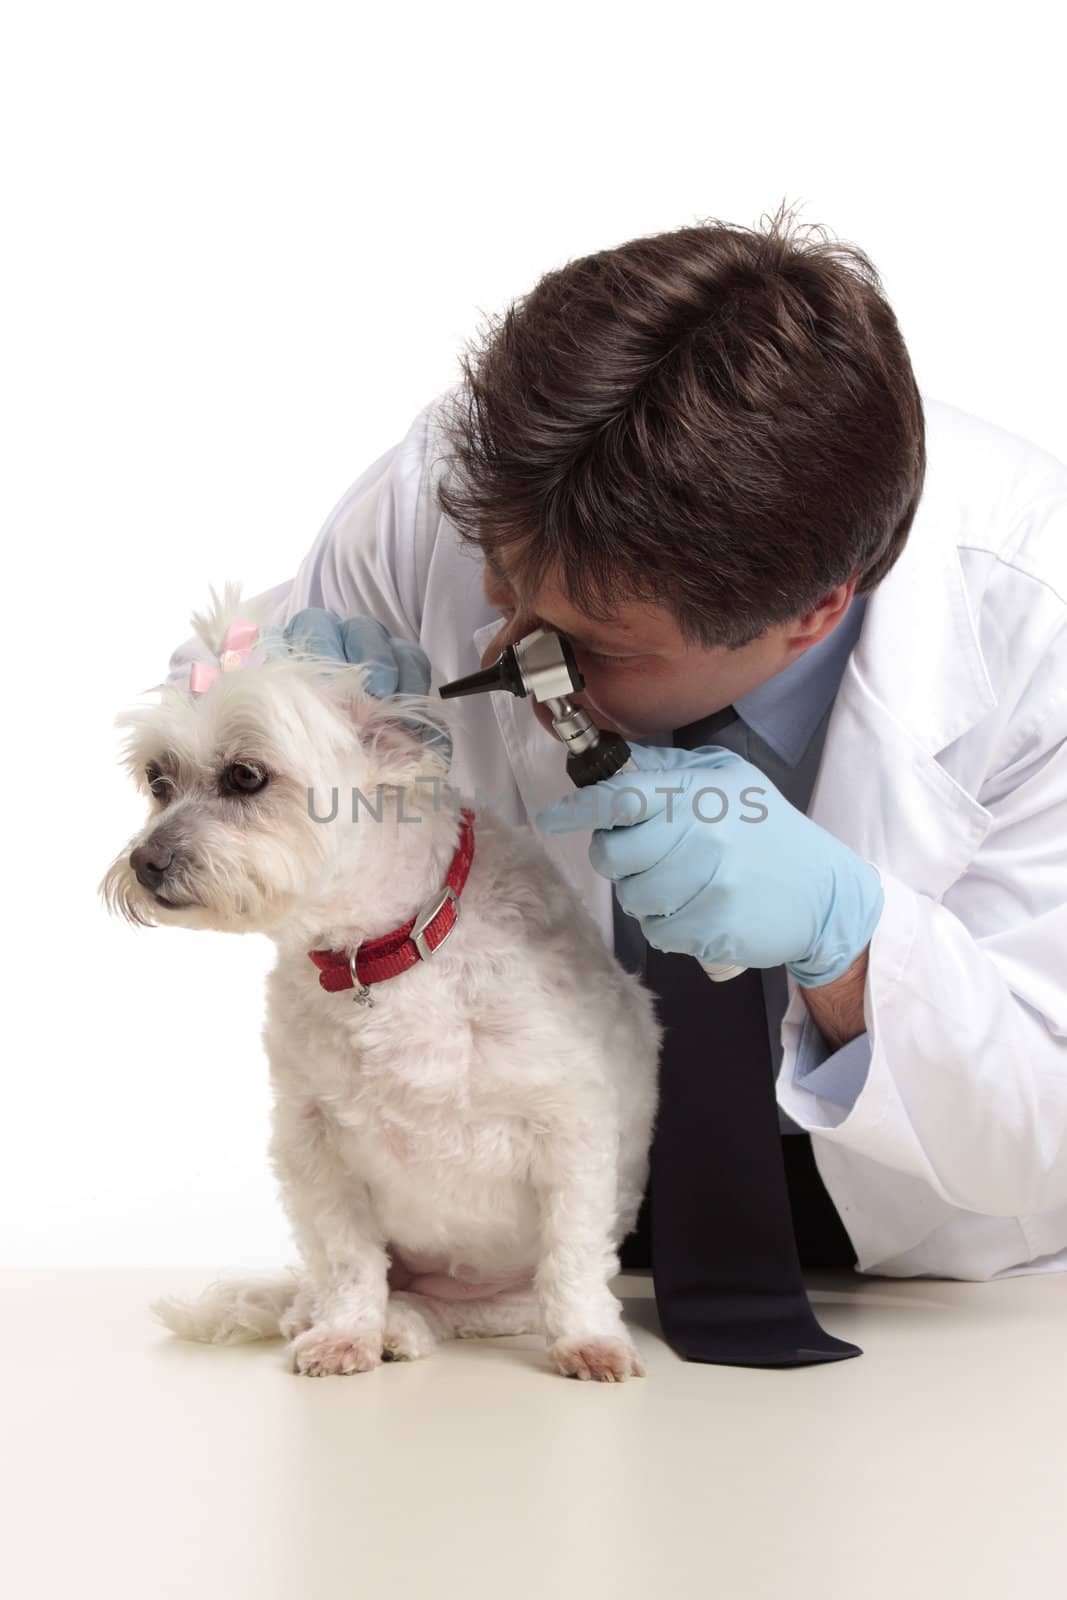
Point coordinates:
[[836, 1075], [371, 556], [965, 1006]]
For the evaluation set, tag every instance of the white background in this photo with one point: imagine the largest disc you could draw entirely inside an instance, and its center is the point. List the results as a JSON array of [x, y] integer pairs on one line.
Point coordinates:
[[244, 245]]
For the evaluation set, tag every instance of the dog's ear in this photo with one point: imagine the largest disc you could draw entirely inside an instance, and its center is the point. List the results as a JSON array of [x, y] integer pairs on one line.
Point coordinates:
[[405, 735]]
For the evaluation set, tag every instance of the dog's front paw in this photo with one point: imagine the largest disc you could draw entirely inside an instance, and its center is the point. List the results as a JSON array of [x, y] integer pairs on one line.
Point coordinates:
[[324, 1350], [408, 1335], [612, 1360]]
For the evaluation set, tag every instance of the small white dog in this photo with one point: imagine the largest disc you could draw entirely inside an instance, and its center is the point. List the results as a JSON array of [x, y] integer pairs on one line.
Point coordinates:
[[463, 1155]]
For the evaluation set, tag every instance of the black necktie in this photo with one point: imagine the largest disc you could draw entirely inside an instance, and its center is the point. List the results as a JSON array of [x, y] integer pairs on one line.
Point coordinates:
[[725, 1267]]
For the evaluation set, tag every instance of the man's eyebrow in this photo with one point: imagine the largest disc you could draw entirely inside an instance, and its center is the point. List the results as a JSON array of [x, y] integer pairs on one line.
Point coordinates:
[[588, 643], [579, 636]]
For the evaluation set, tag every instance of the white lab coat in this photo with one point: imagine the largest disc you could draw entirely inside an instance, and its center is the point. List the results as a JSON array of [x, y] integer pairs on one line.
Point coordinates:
[[945, 764]]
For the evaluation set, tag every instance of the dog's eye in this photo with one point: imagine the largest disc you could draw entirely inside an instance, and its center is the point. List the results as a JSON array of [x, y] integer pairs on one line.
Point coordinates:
[[159, 785], [243, 777]]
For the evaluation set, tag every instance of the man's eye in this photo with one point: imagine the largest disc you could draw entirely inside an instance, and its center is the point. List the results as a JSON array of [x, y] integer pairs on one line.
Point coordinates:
[[243, 777], [596, 655]]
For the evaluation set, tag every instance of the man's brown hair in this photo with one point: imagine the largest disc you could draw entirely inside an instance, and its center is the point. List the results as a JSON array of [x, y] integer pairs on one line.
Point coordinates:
[[716, 420]]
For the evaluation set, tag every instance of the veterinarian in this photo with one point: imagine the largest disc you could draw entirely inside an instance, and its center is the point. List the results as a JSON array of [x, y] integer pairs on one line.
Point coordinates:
[[703, 456]]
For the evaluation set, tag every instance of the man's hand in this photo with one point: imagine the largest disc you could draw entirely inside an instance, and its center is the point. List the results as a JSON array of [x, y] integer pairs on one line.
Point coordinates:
[[714, 862], [394, 666]]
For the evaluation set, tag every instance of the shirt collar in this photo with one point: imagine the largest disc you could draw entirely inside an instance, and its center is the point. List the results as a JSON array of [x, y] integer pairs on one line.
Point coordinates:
[[786, 710]]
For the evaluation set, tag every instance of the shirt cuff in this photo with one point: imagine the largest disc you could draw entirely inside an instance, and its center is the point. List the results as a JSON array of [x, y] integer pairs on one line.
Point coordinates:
[[834, 1075]]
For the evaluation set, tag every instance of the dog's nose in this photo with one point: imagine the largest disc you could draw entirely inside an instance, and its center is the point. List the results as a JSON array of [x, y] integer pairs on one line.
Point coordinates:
[[150, 862]]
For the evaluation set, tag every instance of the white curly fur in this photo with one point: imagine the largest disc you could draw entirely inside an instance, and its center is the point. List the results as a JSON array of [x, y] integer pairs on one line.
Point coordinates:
[[464, 1157]]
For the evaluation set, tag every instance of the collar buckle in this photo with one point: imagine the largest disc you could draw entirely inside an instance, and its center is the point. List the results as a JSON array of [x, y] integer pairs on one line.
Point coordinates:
[[418, 932]]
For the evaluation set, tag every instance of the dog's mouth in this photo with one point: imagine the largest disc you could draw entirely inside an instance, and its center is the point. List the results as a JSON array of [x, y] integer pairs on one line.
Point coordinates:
[[172, 905]]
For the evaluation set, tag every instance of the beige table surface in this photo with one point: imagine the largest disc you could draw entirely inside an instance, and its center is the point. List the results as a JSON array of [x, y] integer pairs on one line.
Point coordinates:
[[135, 1465]]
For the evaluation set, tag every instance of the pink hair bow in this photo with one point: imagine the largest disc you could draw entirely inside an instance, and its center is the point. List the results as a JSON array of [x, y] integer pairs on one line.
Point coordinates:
[[236, 652]]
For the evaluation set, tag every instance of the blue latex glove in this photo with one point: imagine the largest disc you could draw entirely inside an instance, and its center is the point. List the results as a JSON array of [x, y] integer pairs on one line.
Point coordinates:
[[763, 887], [395, 666]]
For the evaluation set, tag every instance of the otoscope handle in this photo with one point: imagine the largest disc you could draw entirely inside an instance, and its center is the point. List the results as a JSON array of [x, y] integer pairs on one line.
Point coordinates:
[[611, 755]]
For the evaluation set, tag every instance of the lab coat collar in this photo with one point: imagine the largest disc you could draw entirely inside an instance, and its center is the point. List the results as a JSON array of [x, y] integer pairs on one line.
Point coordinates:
[[918, 653], [915, 682]]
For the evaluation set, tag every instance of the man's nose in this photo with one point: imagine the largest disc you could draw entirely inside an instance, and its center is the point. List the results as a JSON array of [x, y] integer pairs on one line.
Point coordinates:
[[150, 862]]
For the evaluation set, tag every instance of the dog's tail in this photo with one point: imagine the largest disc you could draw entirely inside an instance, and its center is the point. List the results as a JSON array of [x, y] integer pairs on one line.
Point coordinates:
[[232, 1310]]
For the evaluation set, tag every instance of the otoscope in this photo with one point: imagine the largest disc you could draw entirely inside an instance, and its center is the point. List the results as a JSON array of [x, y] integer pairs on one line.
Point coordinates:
[[543, 664]]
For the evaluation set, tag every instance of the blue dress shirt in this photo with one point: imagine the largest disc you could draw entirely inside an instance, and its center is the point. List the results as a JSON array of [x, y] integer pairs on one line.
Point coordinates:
[[781, 728]]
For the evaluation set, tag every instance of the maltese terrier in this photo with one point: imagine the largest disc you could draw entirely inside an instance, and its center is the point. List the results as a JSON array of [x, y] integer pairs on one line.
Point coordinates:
[[464, 1078]]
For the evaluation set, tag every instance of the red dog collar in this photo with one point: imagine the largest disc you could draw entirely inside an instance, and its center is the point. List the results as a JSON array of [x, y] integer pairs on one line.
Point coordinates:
[[417, 940]]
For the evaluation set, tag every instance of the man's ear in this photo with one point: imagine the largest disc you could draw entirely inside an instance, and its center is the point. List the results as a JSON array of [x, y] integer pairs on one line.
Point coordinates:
[[823, 618], [405, 735]]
